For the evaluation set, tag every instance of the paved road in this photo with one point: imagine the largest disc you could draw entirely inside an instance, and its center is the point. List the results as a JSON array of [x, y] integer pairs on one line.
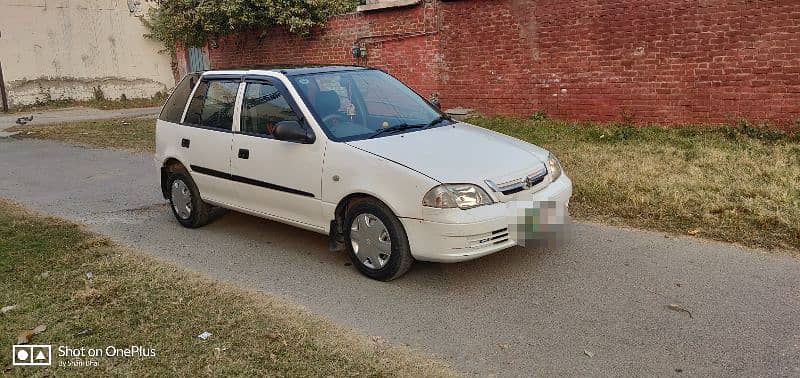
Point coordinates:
[[73, 114], [525, 311]]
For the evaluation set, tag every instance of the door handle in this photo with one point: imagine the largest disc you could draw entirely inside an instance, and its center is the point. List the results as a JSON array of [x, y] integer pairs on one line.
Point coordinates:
[[185, 143], [244, 154]]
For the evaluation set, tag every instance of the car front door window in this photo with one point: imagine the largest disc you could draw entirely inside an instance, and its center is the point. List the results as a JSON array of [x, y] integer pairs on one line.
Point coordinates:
[[263, 106]]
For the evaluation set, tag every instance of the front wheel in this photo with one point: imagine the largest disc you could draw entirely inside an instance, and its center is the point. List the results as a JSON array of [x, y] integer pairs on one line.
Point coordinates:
[[377, 241]]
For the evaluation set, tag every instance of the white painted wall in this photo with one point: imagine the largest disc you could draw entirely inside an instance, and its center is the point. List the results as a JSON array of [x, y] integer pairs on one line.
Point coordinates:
[[63, 49]]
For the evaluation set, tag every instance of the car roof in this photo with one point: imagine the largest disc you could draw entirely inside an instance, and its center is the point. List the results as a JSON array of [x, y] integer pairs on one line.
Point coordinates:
[[284, 69]]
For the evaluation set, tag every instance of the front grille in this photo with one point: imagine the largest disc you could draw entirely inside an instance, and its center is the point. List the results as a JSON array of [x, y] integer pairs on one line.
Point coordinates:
[[527, 184], [490, 238], [519, 184]]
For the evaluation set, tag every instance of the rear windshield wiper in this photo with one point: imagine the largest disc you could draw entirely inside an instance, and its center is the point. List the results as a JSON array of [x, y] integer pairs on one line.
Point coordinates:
[[400, 127]]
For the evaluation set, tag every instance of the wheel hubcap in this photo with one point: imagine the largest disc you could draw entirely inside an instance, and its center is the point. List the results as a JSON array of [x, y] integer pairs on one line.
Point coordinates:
[[181, 199], [370, 240]]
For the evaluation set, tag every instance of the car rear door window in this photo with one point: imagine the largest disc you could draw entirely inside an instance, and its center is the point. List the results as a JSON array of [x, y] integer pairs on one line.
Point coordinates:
[[173, 109], [263, 106], [213, 104]]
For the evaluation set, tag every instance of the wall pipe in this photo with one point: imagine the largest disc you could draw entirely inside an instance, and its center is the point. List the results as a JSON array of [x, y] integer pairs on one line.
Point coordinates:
[[3, 93]]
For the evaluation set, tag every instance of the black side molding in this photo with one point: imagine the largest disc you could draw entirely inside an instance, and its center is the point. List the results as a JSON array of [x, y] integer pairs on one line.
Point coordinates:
[[249, 181]]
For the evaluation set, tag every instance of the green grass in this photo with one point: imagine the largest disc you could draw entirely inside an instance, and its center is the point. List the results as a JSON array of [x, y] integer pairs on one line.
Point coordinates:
[[734, 183], [100, 103], [132, 299]]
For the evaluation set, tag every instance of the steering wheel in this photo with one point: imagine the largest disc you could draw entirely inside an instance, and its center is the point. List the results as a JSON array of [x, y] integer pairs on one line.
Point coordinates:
[[334, 119]]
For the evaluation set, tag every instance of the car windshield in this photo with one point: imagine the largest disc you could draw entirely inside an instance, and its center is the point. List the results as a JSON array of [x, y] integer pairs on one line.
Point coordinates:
[[361, 104]]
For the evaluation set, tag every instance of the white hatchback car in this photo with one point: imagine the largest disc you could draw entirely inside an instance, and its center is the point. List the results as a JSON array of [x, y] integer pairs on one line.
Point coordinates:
[[355, 154]]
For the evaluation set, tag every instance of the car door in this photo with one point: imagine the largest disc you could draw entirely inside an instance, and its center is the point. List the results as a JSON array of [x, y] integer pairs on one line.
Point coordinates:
[[277, 178], [207, 137]]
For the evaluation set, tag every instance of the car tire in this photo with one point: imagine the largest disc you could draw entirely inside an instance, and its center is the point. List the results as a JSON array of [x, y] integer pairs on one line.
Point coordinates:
[[185, 201], [371, 230]]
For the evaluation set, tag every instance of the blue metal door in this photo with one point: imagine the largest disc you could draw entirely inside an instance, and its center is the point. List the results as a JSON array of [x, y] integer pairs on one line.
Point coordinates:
[[196, 59]]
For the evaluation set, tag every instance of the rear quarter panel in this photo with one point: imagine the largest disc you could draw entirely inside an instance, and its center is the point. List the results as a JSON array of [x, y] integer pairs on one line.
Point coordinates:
[[168, 143]]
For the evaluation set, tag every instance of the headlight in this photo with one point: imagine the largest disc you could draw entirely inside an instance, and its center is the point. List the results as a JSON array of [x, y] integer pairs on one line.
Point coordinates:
[[554, 167], [462, 196]]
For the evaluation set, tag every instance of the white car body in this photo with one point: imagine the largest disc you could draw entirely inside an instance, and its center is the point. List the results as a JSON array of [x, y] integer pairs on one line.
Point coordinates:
[[302, 184]]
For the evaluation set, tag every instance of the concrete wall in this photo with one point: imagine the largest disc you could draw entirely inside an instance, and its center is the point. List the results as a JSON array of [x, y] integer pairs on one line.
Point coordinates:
[[66, 49]]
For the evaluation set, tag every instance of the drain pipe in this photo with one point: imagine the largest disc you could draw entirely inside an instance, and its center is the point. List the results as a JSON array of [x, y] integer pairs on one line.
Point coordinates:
[[3, 90]]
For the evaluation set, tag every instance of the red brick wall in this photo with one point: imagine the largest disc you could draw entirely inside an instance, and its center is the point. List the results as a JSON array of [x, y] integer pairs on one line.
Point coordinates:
[[668, 62]]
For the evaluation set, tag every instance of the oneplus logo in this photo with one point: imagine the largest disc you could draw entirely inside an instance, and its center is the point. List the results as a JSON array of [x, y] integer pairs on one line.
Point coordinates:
[[32, 355]]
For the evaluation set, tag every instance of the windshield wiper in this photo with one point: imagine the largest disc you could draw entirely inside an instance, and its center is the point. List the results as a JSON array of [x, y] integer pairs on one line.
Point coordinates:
[[438, 120], [405, 126], [400, 127]]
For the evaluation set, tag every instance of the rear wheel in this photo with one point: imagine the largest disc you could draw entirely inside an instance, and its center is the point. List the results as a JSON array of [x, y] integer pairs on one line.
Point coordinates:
[[185, 201], [377, 241]]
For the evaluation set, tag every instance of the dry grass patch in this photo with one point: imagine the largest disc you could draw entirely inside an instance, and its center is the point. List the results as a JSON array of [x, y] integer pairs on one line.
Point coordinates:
[[737, 184], [91, 293], [129, 134]]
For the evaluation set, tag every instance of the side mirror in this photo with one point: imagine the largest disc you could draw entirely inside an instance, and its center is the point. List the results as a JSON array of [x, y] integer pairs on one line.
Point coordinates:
[[292, 131]]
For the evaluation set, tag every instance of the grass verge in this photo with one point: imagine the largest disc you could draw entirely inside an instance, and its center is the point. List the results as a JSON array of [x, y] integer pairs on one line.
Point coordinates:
[[91, 293], [736, 184], [129, 134], [102, 103]]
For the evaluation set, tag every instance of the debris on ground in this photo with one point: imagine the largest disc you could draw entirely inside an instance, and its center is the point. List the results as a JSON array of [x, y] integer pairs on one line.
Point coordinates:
[[379, 340], [678, 308], [694, 231], [25, 336], [8, 308], [24, 120], [44, 275], [85, 332], [218, 352], [588, 353], [89, 275], [204, 336]]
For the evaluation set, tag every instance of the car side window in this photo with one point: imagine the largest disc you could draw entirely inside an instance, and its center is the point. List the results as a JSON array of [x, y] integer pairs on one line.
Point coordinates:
[[173, 109], [263, 106], [213, 104]]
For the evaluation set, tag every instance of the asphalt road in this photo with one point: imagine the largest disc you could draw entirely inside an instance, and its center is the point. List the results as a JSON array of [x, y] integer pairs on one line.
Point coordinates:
[[521, 312]]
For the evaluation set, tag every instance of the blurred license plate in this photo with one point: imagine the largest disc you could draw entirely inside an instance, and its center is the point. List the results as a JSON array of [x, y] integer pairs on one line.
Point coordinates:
[[535, 220]]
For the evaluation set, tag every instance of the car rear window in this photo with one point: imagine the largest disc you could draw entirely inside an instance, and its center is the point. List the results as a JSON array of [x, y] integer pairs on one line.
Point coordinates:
[[173, 109], [212, 104]]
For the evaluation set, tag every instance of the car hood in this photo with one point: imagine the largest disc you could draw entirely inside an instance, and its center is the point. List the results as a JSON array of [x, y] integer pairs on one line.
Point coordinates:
[[459, 153]]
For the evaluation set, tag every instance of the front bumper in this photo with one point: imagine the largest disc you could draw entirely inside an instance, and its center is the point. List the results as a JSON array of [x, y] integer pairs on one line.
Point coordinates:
[[478, 232]]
